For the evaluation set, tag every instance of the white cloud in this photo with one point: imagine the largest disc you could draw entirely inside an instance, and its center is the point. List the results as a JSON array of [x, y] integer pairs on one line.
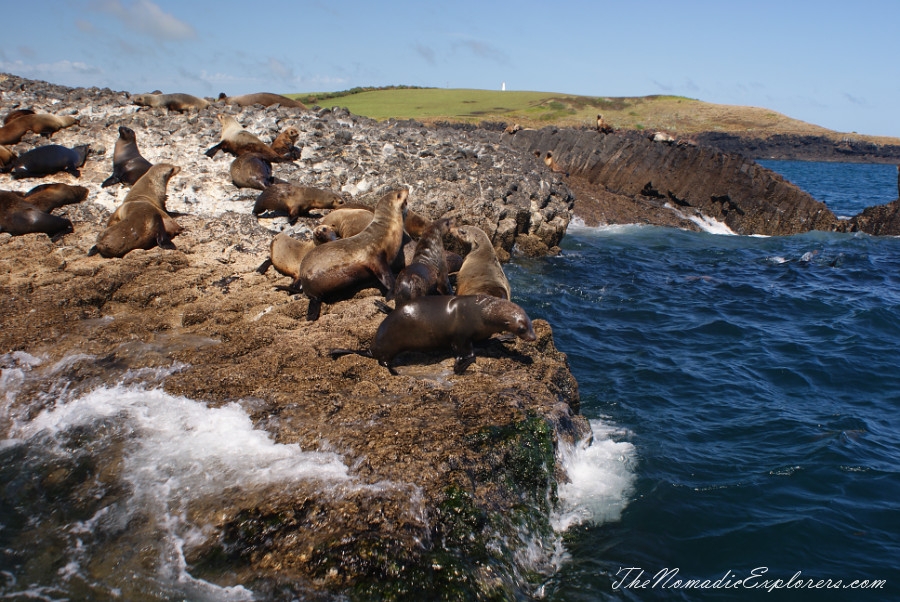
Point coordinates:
[[56, 70], [147, 17]]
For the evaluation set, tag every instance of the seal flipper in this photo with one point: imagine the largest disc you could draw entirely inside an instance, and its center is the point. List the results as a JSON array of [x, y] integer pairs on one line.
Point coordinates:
[[314, 309], [212, 151], [164, 242], [465, 355], [264, 266], [113, 179]]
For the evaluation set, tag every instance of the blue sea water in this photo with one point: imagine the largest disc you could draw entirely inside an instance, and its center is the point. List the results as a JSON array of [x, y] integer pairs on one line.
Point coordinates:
[[758, 380]]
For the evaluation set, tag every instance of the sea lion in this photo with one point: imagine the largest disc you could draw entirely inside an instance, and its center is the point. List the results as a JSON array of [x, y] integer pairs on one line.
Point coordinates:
[[286, 253], [48, 197], [50, 159], [331, 270], [427, 273], [13, 115], [662, 137], [173, 102], [512, 129], [237, 141], [602, 126], [480, 273], [348, 221], [555, 167], [439, 322], [141, 221], [284, 143], [128, 164], [251, 170], [266, 99], [7, 158], [18, 216], [41, 123], [296, 200]]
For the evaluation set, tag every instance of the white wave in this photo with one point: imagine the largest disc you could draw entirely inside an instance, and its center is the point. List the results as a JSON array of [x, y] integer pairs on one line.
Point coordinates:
[[577, 226], [706, 223], [601, 479]]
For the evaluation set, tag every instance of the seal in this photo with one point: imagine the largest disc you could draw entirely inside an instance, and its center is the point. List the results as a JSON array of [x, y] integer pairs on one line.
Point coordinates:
[[18, 217], [40, 123], [602, 126], [348, 221], [332, 270], [266, 99], [480, 273], [13, 115], [50, 159], [237, 141], [128, 164], [555, 167], [251, 170], [439, 322], [286, 253], [427, 273], [296, 200], [48, 197], [7, 158], [141, 221], [173, 102], [284, 143]]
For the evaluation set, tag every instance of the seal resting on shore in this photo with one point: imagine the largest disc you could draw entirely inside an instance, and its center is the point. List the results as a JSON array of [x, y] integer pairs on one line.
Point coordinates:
[[251, 170], [18, 217], [284, 143], [7, 158], [50, 159], [427, 273], [128, 164], [48, 197], [141, 221], [438, 323], [173, 102], [286, 253], [235, 140], [40, 123], [481, 272], [555, 167], [15, 114], [266, 99], [331, 270], [296, 200]]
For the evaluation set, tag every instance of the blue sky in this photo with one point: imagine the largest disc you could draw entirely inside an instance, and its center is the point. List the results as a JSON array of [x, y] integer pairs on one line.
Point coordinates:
[[834, 64]]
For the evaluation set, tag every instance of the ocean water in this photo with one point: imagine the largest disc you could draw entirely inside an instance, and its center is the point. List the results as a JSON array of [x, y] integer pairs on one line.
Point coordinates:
[[758, 383], [743, 394]]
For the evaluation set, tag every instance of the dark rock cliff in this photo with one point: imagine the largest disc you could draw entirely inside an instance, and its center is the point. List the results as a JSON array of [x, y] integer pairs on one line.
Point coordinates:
[[802, 148]]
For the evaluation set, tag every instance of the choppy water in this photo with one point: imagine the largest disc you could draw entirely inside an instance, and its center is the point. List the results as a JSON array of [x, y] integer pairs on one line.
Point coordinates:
[[758, 380]]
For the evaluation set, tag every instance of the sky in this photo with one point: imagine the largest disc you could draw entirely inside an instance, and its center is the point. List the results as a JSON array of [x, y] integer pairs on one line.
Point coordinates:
[[833, 64]]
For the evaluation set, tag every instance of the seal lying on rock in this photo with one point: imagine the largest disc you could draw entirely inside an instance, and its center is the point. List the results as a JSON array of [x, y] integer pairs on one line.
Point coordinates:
[[39, 123], [331, 270], [426, 274], [266, 99], [438, 323], [481, 272], [173, 102], [128, 164], [286, 253], [48, 197], [235, 140], [141, 221], [50, 159], [18, 216], [296, 200], [251, 170], [7, 158]]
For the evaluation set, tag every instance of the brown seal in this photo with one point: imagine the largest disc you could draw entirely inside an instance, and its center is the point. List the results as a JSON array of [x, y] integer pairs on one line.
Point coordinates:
[[427, 273], [50, 159], [128, 164], [266, 99], [284, 143], [602, 126], [555, 167], [48, 197], [40, 123], [440, 322], [295, 200], [286, 253], [7, 158], [348, 221], [251, 170], [18, 216], [480, 273], [13, 115], [237, 141], [332, 270], [173, 102], [141, 221]]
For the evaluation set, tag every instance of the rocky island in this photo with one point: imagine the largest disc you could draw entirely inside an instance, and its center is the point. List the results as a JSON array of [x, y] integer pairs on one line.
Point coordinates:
[[449, 480]]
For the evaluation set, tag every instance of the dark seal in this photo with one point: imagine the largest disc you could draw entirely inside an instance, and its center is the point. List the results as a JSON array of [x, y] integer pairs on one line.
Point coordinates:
[[52, 158], [128, 164], [18, 217], [427, 273]]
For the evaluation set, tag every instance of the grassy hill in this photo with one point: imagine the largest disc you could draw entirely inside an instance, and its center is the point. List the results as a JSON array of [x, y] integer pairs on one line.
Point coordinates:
[[673, 114]]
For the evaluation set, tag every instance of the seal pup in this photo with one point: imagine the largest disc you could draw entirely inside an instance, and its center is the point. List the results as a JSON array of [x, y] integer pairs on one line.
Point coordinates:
[[50, 159], [296, 200], [427, 273], [555, 167], [235, 140], [48, 197], [348, 221], [251, 170], [331, 270], [43, 124], [439, 322], [283, 144], [286, 253], [18, 217], [174, 102], [141, 221], [128, 164], [481, 272], [266, 99]]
